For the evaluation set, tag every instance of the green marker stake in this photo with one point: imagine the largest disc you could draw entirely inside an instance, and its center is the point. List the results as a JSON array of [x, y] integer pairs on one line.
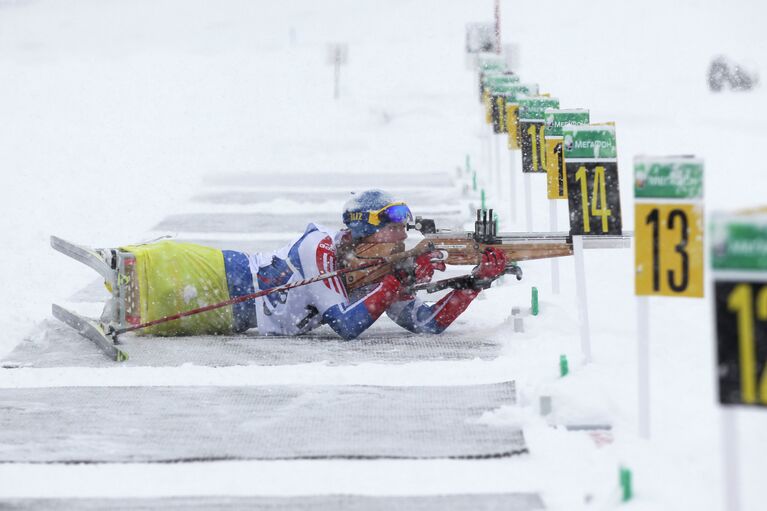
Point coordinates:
[[468, 164], [482, 195], [534, 301], [563, 366], [626, 486], [474, 181]]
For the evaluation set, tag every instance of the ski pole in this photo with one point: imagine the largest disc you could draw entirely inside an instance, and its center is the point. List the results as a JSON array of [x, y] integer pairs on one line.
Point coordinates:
[[244, 298]]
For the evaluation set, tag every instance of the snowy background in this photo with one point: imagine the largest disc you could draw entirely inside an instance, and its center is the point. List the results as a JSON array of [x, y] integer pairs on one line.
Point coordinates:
[[117, 114]]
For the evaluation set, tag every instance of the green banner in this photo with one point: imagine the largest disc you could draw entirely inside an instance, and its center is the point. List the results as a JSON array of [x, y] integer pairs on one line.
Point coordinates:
[[514, 92], [739, 242], [505, 88], [671, 177], [491, 62], [557, 119], [494, 79], [589, 141], [534, 108]]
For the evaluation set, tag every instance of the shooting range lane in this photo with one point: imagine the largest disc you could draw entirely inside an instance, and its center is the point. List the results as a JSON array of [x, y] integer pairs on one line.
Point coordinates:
[[147, 423], [321, 180], [58, 345], [235, 195], [488, 502], [255, 222], [286, 422]]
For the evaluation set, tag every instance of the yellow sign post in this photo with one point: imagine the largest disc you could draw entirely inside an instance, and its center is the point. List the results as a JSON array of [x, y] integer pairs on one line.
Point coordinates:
[[668, 247]]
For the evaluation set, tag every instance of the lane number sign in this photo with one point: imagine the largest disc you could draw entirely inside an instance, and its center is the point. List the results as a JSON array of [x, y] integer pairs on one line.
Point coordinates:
[[739, 260], [532, 130], [555, 120], [591, 167], [668, 226], [503, 104]]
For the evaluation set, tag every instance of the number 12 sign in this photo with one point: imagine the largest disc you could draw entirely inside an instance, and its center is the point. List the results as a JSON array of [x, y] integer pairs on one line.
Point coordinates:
[[668, 226], [739, 260]]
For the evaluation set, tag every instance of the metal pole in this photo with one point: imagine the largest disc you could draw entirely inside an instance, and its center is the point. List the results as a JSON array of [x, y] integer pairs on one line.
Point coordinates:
[[643, 365], [497, 26], [583, 308], [554, 260], [730, 456], [337, 66], [513, 185], [498, 157], [489, 166], [528, 203]]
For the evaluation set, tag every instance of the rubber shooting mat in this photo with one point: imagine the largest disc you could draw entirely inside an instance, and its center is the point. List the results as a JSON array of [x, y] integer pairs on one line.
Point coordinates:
[[176, 424], [477, 502], [58, 345], [342, 181], [279, 222]]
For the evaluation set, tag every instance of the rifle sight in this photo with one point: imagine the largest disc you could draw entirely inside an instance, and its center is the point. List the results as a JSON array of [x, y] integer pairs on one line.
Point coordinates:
[[423, 225], [484, 227]]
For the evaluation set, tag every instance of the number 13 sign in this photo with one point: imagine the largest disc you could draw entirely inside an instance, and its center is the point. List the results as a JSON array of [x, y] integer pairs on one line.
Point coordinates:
[[668, 226]]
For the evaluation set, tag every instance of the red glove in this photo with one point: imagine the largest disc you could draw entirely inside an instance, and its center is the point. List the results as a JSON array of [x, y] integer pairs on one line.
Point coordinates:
[[492, 265], [380, 300], [425, 264]]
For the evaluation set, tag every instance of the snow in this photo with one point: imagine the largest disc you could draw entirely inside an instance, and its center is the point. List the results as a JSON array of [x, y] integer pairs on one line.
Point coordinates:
[[117, 113]]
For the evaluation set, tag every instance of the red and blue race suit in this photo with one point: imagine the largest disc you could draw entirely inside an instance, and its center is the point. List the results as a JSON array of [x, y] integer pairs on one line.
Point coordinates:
[[304, 308]]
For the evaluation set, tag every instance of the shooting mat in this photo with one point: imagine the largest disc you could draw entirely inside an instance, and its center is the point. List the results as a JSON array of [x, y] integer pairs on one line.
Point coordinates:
[[284, 422], [477, 502], [57, 345]]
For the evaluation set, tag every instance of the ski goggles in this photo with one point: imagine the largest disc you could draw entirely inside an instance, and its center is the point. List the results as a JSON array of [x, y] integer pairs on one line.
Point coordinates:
[[394, 213]]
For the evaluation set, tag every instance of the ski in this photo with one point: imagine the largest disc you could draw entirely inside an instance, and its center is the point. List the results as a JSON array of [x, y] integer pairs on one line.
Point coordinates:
[[91, 330], [85, 255]]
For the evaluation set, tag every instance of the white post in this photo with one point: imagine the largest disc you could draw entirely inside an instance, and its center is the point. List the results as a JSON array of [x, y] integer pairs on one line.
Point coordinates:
[[498, 158], [493, 153], [643, 365], [554, 260], [583, 308], [730, 457], [489, 155], [513, 185], [482, 166], [528, 203], [497, 26], [337, 66]]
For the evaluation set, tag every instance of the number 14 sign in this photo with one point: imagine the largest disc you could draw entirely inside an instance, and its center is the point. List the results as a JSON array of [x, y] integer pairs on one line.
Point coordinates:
[[668, 226], [593, 196]]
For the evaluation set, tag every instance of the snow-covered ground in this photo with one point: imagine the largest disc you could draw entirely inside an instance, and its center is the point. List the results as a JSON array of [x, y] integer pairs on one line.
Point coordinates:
[[116, 114]]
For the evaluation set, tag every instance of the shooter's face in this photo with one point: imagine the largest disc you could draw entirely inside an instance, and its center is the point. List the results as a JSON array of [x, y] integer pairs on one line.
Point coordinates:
[[392, 233]]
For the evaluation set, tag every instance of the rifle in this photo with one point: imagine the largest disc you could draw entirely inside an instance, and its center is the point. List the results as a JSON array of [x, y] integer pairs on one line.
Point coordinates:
[[466, 248]]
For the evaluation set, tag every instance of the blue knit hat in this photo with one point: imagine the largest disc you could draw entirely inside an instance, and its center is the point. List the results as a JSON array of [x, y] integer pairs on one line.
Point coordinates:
[[365, 203]]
